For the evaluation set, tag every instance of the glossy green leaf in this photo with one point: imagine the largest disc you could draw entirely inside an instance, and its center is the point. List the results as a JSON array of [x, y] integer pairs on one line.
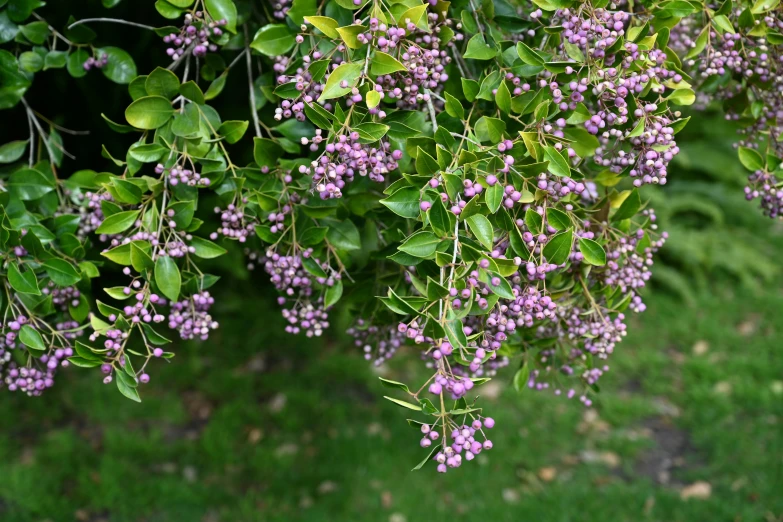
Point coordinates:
[[149, 112], [167, 277]]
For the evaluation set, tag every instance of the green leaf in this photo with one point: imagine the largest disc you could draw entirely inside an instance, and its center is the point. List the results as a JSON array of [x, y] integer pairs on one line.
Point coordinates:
[[528, 55], [153, 336], [118, 222], [223, 10], [266, 152], [326, 25], [216, 87], [574, 52], [347, 72], [442, 220], [521, 377], [383, 64], [414, 407], [35, 32], [593, 253], [136, 88], [455, 333], [393, 384], [233, 130], [493, 196], [470, 88], [149, 112], [503, 98], [426, 164], [682, 97], [31, 338], [343, 235], [557, 163], [125, 191], [192, 92], [372, 98], [490, 129], [534, 221], [30, 184], [313, 267], [421, 244], [404, 202], [371, 131], [12, 151], [120, 68], [30, 61], [162, 82], [750, 159], [55, 60], [482, 229], [762, 6], [629, 207], [183, 213], [479, 49], [558, 248], [557, 219], [127, 386], [333, 294], [273, 40], [700, 44], [61, 272], [349, 35], [147, 153], [206, 249], [313, 236], [723, 24], [75, 65], [140, 257], [454, 106], [23, 282], [8, 29], [167, 277]]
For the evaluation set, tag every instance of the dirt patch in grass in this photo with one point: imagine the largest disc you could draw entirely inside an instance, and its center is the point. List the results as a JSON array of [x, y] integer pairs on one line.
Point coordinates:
[[671, 452]]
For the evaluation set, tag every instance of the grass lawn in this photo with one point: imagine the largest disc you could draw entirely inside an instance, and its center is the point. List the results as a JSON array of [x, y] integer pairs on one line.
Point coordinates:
[[252, 426]]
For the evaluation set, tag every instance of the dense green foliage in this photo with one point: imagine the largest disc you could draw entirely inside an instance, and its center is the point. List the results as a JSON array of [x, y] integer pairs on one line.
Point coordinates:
[[469, 178]]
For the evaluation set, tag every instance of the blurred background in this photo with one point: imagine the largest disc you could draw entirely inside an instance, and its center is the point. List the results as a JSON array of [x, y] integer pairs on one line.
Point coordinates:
[[255, 425]]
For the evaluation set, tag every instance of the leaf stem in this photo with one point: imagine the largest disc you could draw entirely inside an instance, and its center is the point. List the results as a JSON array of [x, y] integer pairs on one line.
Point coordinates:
[[112, 20], [250, 86]]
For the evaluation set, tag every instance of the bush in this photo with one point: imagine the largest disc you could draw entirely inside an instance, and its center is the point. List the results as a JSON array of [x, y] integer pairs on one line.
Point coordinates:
[[480, 168]]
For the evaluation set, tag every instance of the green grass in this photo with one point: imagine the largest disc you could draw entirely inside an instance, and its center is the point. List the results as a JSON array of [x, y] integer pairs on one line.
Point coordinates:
[[252, 426]]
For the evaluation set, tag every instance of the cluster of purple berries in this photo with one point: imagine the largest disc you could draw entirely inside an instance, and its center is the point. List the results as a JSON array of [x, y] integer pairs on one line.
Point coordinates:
[[191, 318], [177, 175], [421, 54], [62, 297], [346, 158], [378, 344], [290, 277], [766, 187], [234, 223], [463, 440], [97, 63], [195, 33]]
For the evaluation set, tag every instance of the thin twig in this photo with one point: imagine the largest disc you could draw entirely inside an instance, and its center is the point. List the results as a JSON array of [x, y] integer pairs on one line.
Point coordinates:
[[185, 78], [60, 127], [112, 20], [250, 86], [475, 17], [431, 108], [52, 29], [178, 61], [41, 132], [32, 139], [238, 57]]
